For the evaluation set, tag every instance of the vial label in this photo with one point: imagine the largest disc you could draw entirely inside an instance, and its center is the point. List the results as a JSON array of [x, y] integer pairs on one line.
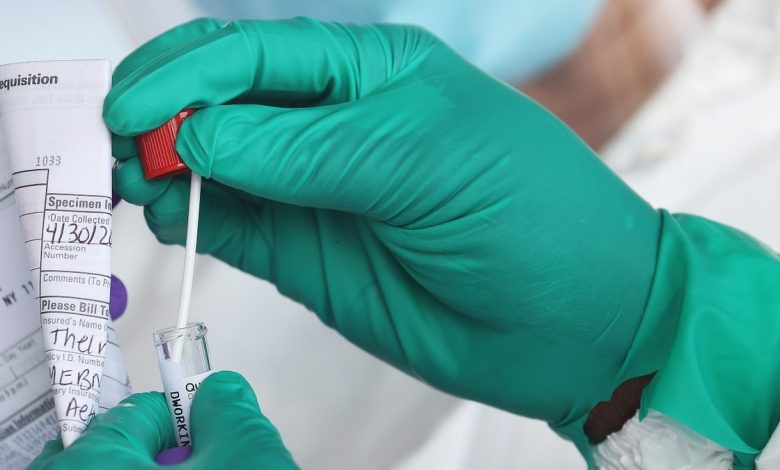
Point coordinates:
[[179, 391]]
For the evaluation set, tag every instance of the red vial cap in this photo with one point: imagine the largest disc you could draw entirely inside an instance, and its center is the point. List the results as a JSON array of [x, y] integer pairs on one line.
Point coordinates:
[[157, 148]]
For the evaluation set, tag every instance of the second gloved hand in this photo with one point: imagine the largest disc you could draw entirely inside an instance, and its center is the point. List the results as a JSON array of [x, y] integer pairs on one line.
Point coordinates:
[[228, 429]]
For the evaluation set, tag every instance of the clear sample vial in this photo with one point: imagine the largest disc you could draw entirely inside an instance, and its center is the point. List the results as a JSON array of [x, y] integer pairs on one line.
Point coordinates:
[[183, 357]]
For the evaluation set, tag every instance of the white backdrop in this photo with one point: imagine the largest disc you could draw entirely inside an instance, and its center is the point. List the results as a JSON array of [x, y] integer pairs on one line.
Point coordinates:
[[707, 143]]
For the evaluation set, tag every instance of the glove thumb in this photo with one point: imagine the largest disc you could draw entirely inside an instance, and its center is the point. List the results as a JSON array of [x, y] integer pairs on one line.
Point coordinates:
[[229, 430]]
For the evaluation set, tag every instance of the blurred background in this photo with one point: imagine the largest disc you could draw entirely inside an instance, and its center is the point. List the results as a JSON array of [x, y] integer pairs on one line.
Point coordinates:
[[628, 51], [678, 96]]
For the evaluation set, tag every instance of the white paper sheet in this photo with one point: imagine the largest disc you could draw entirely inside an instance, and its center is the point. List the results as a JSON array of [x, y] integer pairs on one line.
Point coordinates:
[[58, 355]]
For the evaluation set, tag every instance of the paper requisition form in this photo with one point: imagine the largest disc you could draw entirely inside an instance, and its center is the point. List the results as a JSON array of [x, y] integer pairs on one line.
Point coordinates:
[[59, 360]]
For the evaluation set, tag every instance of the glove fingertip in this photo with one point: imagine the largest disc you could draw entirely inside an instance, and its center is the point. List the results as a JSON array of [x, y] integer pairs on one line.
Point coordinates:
[[225, 379], [123, 147], [132, 186], [225, 386], [194, 144]]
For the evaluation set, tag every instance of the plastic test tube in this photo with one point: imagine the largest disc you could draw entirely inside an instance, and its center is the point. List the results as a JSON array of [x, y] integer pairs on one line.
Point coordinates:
[[182, 352], [183, 357]]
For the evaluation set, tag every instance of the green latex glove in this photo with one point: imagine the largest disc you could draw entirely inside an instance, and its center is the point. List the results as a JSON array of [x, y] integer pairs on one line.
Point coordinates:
[[228, 430], [434, 216], [438, 219]]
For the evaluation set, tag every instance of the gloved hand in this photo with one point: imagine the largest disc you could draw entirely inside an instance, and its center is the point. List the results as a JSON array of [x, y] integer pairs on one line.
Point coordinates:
[[449, 225], [228, 430], [436, 217]]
